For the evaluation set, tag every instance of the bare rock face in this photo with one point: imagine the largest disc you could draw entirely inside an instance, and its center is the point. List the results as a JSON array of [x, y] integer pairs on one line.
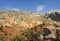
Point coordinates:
[[50, 32], [54, 16]]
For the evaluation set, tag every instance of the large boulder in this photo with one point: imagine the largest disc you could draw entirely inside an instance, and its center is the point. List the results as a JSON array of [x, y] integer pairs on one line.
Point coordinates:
[[54, 16], [50, 32]]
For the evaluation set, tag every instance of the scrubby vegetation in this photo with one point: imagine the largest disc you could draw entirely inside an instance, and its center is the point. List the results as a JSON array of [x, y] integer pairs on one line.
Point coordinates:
[[26, 26]]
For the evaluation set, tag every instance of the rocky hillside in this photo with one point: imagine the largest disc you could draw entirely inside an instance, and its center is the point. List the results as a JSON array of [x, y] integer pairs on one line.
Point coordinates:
[[28, 26], [54, 15]]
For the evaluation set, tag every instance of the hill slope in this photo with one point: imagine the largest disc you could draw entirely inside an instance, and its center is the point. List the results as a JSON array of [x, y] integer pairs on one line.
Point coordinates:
[[28, 26]]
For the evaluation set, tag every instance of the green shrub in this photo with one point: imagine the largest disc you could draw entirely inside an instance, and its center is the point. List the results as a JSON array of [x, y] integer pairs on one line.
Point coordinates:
[[3, 38], [1, 28], [58, 34], [44, 22], [18, 38]]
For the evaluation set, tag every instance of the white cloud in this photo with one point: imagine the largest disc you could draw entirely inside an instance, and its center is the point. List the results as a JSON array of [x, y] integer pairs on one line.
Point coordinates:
[[15, 9], [40, 8], [9, 8]]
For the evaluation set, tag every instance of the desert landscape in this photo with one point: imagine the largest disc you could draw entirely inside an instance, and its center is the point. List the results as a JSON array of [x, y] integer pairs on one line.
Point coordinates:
[[29, 20], [29, 26]]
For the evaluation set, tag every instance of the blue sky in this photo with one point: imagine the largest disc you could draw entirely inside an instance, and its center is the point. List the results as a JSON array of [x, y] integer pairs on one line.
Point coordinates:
[[30, 5]]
